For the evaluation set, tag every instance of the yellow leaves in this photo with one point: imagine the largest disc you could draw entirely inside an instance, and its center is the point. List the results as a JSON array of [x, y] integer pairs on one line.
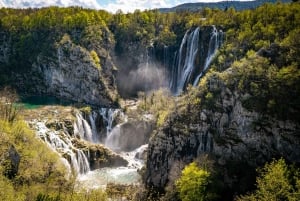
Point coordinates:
[[274, 183], [288, 75], [65, 39], [7, 192], [95, 59], [209, 96], [192, 185]]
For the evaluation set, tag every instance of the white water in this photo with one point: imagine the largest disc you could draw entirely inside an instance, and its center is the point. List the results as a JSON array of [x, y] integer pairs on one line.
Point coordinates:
[[214, 44], [108, 116], [82, 128], [120, 175], [184, 62], [76, 160], [113, 139], [61, 143], [185, 70]]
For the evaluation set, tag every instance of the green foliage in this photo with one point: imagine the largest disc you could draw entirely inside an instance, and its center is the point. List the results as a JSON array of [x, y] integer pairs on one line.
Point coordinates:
[[33, 33], [193, 183], [271, 89], [35, 169], [276, 181], [159, 103], [7, 191]]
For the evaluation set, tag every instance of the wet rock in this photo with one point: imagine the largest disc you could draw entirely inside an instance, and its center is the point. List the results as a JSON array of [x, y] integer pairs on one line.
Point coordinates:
[[99, 156], [65, 125]]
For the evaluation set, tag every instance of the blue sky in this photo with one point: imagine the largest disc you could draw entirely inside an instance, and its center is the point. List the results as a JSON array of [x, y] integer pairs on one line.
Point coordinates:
[[110, 5]]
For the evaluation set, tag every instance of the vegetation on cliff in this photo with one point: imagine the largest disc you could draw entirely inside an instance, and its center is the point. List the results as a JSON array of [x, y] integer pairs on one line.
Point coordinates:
[[257, 66]]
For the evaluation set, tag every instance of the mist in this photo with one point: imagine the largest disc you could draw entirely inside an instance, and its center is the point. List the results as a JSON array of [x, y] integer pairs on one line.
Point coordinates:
[[147, 77]]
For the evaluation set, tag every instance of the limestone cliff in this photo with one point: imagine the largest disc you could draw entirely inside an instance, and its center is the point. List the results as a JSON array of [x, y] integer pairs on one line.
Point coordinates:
[[80, 72], [226, 131]]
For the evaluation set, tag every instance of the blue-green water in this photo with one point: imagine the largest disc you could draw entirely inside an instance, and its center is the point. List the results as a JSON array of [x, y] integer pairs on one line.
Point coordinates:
[[33, 102]]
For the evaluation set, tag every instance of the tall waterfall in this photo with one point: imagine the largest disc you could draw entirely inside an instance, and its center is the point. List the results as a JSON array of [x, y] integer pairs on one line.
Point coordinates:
[[197, 49]]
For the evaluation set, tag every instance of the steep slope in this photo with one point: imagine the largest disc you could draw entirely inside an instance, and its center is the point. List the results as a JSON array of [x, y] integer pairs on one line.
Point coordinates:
[[222, 128]]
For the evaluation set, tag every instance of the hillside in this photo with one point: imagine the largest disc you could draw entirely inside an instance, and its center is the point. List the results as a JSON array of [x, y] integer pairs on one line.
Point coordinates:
[[223, 5]]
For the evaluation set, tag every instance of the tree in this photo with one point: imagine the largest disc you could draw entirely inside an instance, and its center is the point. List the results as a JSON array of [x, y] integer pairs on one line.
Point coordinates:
[[8, 109], [193, 184], [275, 182]]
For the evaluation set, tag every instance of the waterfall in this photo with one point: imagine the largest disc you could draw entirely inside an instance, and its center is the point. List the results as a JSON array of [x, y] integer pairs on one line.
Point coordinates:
[[62, 144], [194, 57], [86, 129], [108, 117], [214, 43], [82, 128], [186, 68], [113, 139], [95, 136]]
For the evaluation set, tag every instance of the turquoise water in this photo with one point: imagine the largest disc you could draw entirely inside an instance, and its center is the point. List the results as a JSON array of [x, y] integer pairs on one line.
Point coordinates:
[[33, 102], [99, 178]]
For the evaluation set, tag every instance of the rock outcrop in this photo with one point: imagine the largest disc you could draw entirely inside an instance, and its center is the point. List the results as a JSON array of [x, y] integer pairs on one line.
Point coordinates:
[[100, 156], [10, 161], [71, 67], [228, 133], [73, 75]]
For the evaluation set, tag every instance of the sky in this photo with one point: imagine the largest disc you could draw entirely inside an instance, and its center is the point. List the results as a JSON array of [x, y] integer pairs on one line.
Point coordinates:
[[109, 5]]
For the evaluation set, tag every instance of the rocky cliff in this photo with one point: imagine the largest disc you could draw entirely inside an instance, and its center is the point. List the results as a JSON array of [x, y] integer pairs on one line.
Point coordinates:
[[224, 130], [81, 72]]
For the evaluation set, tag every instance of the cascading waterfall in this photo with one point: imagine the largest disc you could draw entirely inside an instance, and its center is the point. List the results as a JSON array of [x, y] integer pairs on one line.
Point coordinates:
[[122, 175], [82, 128], [62, 144], [108, 117], [87, 127], [193, 58], [95, 136]]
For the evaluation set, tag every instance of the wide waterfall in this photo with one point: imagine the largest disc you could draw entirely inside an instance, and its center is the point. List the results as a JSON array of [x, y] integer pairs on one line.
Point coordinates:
[[86, 126], [197, 49], [112, 120], [62, 144]]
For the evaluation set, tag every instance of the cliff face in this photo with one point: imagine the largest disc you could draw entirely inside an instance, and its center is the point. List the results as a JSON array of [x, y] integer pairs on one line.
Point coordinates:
[[74, 76], [228, 133], [5, 47], [78, 72]]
